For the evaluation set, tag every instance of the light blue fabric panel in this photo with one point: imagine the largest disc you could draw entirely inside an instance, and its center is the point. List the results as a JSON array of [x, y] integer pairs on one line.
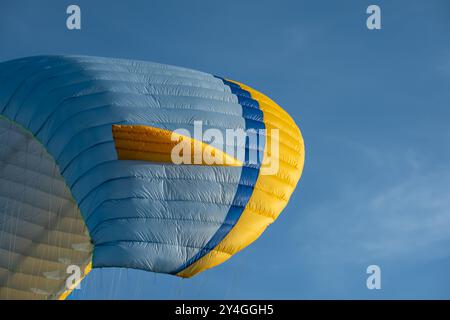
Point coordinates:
[[140, 214]]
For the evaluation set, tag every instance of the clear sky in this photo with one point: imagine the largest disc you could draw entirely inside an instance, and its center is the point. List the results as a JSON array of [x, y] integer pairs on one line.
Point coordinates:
[[373, 107]]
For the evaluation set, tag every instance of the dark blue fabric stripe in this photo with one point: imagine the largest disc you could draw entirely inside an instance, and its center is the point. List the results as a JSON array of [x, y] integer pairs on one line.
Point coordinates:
[[254, 119]]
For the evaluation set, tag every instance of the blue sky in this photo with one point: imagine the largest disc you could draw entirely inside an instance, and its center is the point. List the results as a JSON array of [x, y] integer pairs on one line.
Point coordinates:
[[373, 107]]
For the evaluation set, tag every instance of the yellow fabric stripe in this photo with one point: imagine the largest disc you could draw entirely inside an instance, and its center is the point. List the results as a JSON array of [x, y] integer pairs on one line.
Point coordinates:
[[137, 142], [66, 293], [271, 192]]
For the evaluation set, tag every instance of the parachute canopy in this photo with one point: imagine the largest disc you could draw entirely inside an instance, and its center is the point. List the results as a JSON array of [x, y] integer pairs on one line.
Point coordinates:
[[88, 178]]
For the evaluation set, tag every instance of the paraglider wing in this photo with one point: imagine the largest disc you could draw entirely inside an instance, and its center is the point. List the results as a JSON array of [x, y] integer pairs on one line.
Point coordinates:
[[87, 177]]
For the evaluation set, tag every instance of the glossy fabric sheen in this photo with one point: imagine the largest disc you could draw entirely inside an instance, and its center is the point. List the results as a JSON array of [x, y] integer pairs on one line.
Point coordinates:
[[144, 214]]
